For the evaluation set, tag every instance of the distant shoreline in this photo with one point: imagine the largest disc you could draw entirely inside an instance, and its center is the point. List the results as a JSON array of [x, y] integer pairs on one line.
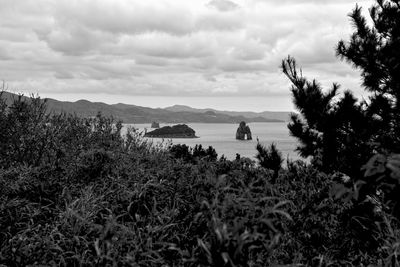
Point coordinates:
[[136, 114], [172, 137], [203, 122]]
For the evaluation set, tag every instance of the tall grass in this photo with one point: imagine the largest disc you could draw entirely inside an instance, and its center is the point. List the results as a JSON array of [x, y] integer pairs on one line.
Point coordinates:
[[75, 192]]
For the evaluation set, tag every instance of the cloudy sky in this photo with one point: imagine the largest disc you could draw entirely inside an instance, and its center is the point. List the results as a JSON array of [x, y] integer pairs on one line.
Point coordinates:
[[223, 54]]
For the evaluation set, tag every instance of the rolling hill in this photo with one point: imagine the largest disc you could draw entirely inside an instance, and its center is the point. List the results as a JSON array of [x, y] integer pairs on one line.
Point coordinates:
[[276, 115], [137, 114]]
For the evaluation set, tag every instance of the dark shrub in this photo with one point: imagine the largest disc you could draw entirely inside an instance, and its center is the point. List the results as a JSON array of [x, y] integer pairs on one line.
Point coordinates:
[[270, 158]]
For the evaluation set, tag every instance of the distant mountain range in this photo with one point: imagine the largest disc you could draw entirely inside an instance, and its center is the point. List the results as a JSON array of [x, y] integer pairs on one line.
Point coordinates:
[[175, 114], [273, 115]]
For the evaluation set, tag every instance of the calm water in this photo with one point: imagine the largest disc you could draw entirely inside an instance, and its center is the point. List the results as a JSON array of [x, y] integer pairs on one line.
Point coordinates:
[[221, 136]]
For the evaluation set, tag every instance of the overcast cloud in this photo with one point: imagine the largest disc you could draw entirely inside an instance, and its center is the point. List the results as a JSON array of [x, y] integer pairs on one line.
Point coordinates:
[[108, 50]]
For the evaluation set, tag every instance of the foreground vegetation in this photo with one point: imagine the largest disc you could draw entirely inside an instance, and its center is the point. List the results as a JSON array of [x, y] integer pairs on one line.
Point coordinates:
[[75, 192]]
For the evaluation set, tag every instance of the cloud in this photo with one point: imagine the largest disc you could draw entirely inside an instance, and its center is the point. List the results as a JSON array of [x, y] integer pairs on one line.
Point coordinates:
[[74, 40], [171, 48], [168, 46], [223, 5], [210, 77], [124, 17], [5, 54]]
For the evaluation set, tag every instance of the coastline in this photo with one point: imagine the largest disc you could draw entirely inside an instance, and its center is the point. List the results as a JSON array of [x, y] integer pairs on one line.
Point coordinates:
[[171, 136]]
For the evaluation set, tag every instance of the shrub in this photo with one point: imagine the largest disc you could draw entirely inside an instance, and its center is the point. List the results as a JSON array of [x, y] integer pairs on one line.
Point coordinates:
[[189, 154], [270, 158], [95, 197]]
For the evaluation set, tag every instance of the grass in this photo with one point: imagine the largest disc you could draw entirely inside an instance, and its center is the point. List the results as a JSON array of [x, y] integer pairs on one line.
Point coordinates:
[[74, 192]]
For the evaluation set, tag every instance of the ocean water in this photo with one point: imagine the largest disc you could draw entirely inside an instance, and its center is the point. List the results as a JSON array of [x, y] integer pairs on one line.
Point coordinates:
[[221, 136]]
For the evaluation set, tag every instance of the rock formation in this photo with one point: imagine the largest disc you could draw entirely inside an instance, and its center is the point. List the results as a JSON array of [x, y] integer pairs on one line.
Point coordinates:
[[243, 132], [155, 125], [176, 131]]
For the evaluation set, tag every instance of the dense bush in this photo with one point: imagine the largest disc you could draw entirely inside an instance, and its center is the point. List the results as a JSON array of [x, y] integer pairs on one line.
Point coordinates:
[[269, 158], [188, 154], [95, 197], [87, 195]]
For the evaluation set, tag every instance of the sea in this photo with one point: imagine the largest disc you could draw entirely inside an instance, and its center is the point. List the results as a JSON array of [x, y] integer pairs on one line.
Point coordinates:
[[221, 136]]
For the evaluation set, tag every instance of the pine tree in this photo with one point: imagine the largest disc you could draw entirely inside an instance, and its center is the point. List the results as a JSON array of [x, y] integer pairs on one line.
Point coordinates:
[[269, 158], [330, 128], [375, 50], [338, 131]]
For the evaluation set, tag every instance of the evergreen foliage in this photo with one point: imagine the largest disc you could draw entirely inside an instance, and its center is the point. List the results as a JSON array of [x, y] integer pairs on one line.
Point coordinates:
[[340, 132], [330, 128], [188, 154], [375, 51], [270, 158]]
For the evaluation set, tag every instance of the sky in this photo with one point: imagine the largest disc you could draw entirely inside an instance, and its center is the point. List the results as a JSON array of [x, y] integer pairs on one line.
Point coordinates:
[[223, 54]]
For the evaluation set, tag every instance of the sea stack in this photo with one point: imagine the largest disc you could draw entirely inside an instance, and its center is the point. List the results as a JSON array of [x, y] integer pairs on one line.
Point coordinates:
[[243, 132], [155, 125]]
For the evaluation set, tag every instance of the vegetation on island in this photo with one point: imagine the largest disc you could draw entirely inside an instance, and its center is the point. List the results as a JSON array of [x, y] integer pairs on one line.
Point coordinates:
[[75, 192], [175, 131]]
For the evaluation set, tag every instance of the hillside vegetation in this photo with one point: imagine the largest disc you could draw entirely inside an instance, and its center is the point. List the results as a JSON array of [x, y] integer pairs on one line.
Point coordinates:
[[75, 192]]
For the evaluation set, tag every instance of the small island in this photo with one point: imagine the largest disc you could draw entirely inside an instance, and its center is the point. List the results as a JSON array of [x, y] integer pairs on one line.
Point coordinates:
[[243, 132], [176, 131]]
